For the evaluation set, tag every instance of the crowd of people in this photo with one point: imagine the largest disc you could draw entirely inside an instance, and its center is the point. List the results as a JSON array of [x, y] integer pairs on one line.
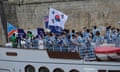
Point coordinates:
[[83, 41]]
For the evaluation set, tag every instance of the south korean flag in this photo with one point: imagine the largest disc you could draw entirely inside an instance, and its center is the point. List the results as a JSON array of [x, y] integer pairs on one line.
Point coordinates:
[[57, 18]]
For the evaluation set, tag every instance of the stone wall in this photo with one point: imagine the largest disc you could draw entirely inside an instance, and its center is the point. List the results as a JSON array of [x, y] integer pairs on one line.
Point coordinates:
[[36, 1], [81, 13], [10, 14]]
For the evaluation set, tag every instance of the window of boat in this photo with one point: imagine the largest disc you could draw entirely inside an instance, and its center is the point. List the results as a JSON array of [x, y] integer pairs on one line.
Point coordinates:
[[101, 70], [108, 70], [114, 71], [58, 70], [43, 69], [4, 70], [74, 70], [29, 68]]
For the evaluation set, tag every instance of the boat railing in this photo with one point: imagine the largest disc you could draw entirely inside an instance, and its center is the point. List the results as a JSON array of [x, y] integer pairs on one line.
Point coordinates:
[[85, 52]]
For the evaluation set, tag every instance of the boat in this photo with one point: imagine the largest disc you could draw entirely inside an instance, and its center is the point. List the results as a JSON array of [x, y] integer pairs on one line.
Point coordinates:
[[43, 60]]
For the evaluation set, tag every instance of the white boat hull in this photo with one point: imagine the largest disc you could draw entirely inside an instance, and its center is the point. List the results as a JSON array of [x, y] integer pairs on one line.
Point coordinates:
[[40, 58]]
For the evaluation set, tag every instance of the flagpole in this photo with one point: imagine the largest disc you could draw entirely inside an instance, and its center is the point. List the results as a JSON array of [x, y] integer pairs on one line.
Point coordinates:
[[3, 20], [43, 23]]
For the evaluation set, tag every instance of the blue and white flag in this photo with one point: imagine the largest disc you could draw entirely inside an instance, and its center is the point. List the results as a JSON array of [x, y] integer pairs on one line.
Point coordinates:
[[57, 18], [52, 28]]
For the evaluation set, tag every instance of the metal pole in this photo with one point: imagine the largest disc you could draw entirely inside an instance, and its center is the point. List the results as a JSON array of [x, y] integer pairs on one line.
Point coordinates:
[[3, 20]]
